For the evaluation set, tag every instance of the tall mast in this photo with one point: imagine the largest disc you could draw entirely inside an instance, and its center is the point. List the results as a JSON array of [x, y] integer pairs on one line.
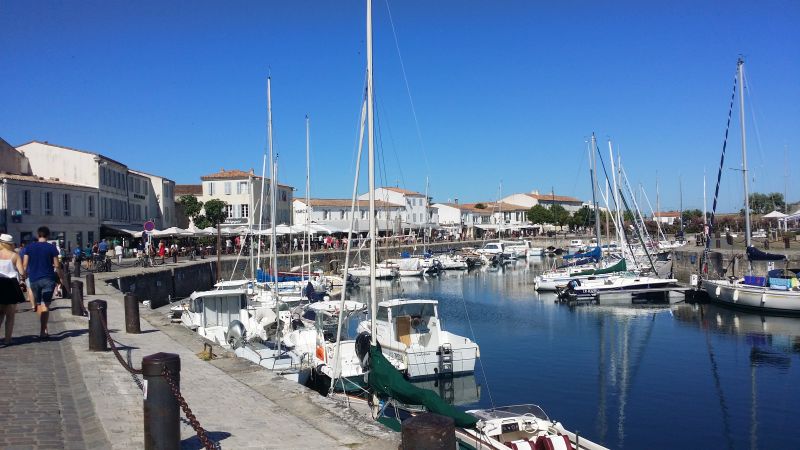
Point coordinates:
[[680, 193], [273, 174], [705, 221], [593, 172], [308, 201], [740, 66], [373, 295]]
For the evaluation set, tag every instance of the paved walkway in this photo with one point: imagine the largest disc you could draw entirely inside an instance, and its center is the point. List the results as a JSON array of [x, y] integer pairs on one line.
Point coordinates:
[[43, 402], [60, 395]]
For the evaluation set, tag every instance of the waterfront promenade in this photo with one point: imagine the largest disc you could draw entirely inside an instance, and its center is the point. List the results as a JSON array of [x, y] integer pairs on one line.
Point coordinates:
[[60, 395]]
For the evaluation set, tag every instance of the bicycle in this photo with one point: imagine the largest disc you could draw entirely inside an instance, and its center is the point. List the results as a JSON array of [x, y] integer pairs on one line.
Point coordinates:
[[101, 264]]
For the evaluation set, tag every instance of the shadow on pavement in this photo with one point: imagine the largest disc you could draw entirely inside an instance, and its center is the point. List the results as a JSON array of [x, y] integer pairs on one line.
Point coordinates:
[[193, 443]]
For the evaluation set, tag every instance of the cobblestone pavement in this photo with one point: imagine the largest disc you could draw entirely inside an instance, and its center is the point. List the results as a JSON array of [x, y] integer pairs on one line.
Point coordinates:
[[44, 403]]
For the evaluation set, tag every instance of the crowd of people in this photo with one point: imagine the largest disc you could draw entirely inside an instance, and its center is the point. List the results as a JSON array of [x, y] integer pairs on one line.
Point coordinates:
[[29, 273]]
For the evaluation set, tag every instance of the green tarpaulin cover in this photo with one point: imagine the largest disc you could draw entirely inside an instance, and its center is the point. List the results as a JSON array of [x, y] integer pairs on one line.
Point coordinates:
[[387, 381]]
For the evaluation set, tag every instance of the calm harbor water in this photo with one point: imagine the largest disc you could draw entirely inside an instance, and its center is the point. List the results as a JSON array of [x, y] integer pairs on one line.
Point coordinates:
[[627, 376]]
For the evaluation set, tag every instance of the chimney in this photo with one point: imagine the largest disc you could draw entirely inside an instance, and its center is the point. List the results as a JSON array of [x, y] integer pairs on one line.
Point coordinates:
[[456, 201]]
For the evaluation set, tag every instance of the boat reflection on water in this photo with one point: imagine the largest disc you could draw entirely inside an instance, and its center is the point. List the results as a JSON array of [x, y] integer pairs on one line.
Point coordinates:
[[458, 391], [765, 334]]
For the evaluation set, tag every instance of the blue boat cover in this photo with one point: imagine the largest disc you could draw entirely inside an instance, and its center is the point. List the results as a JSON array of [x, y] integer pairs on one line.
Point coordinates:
[[754, 254], [594, 254]]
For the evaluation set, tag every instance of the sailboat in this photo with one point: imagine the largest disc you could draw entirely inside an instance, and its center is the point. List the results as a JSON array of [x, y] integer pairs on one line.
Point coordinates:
[[779, 290]]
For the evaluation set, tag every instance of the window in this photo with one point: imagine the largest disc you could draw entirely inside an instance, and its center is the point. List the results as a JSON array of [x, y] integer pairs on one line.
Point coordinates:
[[48, 203], [326, 215], [26, 202], [244, 211], [90, 237], [130, 184], [364, 215], [146, 216], [341, 215], [67, 205], [227, 188], [91, 206], [229, 210], [242, 187], [283, 196]]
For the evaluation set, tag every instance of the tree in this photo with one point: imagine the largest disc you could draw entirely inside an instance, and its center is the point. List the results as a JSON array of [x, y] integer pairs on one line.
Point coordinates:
[[201, 221], [215, 211], [191, 207], [560, 215], [539, 215], [583, 217], [766, 203], [480, 206]]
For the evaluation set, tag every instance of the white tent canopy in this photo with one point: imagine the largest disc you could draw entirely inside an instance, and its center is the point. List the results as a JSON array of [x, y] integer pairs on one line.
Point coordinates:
[[775, 215], [171, 232]]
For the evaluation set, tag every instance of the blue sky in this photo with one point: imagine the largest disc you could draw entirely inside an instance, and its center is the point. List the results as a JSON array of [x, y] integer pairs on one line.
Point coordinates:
[[503, 90]]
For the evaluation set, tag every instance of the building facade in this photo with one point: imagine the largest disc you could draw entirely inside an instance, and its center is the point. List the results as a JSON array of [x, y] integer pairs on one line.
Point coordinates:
[[336, 213], [241, 191], [416, 213], [126, 198], [28, 202], [531, 199]]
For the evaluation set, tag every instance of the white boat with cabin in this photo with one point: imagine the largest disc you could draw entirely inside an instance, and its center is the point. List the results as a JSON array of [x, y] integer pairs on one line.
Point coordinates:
[[411, 331]]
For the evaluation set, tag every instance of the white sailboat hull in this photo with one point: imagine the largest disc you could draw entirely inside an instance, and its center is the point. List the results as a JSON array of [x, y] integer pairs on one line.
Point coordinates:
[[752, 297]]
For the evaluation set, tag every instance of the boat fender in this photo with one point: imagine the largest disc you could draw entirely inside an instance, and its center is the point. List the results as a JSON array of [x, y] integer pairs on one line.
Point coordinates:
[[362, 349], [321, 353]]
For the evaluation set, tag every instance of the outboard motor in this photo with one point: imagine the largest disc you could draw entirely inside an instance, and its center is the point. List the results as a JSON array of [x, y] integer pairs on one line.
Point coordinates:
[[362, 349], [235, 337]]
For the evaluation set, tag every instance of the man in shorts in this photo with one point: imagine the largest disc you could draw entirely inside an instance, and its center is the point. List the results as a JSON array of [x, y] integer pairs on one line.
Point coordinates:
[[43, 269]]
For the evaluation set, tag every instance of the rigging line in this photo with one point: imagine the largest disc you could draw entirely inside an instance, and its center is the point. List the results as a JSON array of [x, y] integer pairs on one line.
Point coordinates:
[[755, 124], [616, 206], [480, 361], [704, 260], [358, 139], [408, 89], [391, 141]]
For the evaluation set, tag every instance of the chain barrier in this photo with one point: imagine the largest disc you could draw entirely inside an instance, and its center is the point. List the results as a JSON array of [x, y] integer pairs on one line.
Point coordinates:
[[201, 432], [192, 420]]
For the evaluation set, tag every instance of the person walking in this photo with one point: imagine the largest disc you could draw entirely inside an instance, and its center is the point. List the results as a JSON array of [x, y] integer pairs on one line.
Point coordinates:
[[43, 269], [11, 274], [118, 252]]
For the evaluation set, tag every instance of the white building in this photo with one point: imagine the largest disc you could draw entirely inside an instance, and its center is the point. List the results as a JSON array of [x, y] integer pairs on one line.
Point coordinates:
[[117, 195], [335, 212], [667, 217], [531, 199], [28, 202], [465, 217], [417, 214], [241, 191]]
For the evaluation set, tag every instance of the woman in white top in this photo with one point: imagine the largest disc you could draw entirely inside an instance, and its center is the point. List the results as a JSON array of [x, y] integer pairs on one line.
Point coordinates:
[[11, 273]]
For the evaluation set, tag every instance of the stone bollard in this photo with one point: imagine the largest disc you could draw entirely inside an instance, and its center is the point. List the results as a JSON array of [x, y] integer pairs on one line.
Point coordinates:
[[77, 298], [67, 285], [132, 314], [97, 335], [89, 284], [786, 242], [161, 409], [429, 431]]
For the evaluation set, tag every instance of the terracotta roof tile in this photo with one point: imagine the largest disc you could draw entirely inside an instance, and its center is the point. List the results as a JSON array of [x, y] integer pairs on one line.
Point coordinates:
[[346, 202], [402, 191], [556, 198], [35, 179], [667, 214], [188, 189], [228, 175]]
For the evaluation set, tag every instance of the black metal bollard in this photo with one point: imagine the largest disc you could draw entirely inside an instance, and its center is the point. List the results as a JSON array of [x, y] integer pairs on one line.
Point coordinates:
[[719, 243], [175, 258], [89, 284], [161, 409], [77, 269], [786, 242], [77, 298], [132, 314], [97, 335], [429, 431], [65, 293]]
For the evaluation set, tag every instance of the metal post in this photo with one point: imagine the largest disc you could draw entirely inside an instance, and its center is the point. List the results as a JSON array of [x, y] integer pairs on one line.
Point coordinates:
[[65, 293], [97, 335], [132, 314], [77, 298], [77, 269], [429, 431], [175, 258], [89, 284], [161, 409]]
